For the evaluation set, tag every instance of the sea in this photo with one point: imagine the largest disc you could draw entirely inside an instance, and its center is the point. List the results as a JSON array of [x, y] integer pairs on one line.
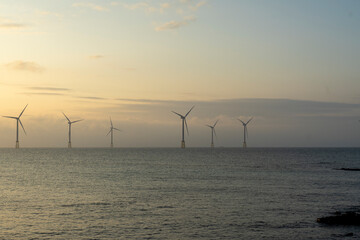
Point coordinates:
[[170, 193]]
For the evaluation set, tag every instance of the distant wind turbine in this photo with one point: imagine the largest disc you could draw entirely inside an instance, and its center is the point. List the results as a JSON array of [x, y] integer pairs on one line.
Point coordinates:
[[112, 133], [212, 133], [245, 131], [17, 126], [183, 118], [71, 122]]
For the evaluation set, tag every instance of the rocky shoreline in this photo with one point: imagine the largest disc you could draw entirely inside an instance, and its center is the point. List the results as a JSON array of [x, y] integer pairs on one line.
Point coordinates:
[[347, 218]]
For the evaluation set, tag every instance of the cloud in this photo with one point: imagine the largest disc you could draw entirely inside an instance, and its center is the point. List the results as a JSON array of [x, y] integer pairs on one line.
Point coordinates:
[[48, 13], [192, 4], [25, 66], [92, 98], [91, 6], [165, 5], [198, 5], [47, 91], [96, 57], [8, 24], [136, 5], [11, 25], [265, 108], [147, 6], [143, 100], [55, 89], [44, 93], [114, 3], [175, 24]]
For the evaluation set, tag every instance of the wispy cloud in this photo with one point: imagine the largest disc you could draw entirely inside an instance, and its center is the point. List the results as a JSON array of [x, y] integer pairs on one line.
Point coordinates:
[[251, 107], [55, 89], [147, 7], [175, 24], [91, 6], [136, 5], [91, 98], [47, 91], [114, 3], [44, 93], [24, 66], [96, 57], [9, 24], [143, 100], [183, 8], [48, 13], [197, 5]]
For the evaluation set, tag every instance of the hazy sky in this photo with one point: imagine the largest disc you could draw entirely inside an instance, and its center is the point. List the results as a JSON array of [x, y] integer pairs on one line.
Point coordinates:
[[293, 65]]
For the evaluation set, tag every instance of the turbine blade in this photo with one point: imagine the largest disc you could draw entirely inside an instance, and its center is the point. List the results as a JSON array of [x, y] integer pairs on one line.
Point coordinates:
[[187, 130], [178, 114], [22, 126], [215, 123], [241, 121], [249, 120], [77, 121], [67, 118], [23, 110], [209, 126], [189, 111], [10, 117], [247, 133], [108, 132], [117, 129], [215, 133], [111, 122]]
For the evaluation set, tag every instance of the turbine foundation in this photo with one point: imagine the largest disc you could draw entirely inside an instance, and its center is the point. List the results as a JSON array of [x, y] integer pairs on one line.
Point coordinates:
[[182, 144], [212, 145], [69, 145], [244, 145], [111, 145], [17, 145]]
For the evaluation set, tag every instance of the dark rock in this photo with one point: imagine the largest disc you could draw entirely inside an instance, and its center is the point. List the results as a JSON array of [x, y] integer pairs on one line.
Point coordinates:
[[350, 169], [348, 218], [349, 235]]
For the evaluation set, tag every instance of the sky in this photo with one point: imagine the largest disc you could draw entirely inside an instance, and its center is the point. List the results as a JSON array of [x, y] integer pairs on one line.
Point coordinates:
[[294, 66]]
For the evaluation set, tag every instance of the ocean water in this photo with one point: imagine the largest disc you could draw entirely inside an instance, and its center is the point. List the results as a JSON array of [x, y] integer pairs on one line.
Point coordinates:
[[163, 193]]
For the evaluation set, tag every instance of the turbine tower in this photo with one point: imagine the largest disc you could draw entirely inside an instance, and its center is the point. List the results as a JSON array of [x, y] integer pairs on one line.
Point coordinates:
[[71, 122], [183, 118], [112, 133], [212, 133], [17, 126], [245, 131]]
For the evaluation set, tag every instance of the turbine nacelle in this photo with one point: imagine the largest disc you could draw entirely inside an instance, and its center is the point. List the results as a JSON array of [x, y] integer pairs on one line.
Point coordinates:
[[71, 122], [244, 124]]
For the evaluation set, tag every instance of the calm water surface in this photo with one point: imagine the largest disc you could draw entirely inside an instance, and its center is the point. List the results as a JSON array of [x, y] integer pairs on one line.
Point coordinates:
[[176, 193]]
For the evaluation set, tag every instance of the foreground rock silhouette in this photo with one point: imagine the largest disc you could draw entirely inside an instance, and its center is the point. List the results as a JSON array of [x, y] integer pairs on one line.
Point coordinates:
[[350, 169], [348, 218]]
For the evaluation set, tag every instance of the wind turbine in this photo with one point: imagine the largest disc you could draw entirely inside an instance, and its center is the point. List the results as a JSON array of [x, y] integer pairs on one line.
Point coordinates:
[[212, 133], [71, 122], [245, 131], [17, 126], [112, 133], [183, 118]]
